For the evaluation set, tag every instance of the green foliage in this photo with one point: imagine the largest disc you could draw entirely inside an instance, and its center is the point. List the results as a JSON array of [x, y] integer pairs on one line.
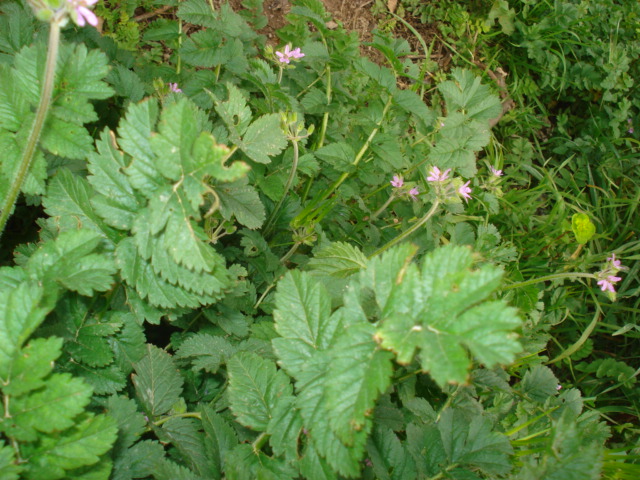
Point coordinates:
[[225, 266]]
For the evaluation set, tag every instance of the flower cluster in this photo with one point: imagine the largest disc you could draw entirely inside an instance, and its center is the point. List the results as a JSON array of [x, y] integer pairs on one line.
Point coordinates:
[[398, 182], [288, 54], [440, 180], [80, 14], [607, 277], [174, 88]]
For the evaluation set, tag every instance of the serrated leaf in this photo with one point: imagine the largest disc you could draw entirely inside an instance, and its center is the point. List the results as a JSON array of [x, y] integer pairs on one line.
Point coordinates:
[[410, 102], [21, 314], [130, 421], [264, 138], [197, 12], [105, 381], [158, 384], [66, 139], [241, 201], [539, 383], [303, 320], [466, 93], [63, 398], [205, 351], [339, 155], [69, 197], [184, 435], [438, 310], [82, 446], [284, 428], [389, 456], [255, 387], [139, 461], [129, 344], [234, 112], [9, 470], [337, 259], [243, 463], [220, 438], [32, 365], [359, 372]]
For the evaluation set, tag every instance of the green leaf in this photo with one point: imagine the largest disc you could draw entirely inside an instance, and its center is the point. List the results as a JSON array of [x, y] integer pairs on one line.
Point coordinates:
[[337, 259], [81, 446], [339, 155], [205, 351], [69, 197], [264, 138], [303, 320], [255, 387], [220, 438], [438, 311], [197, 12], [411, 102], [49, 410], [241, 201], [68, 260], [243, 463], [234, 112], [140, 461], [21, 314], [9, 470], [539, 383], [158, 384], [454, 443], [32, 365], [284, 428], [391, 460], [66, 139], [104, 381], [130, 421], [184, 435], [582, 227], [466, 93], [359, 372]]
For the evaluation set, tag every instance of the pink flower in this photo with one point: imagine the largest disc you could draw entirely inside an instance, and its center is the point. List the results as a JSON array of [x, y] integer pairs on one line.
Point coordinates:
[[81, 13], [607, 284], [414, 192], [497, 173], [614, 262], [288, 54], [465, 190], [435, 175], [174, 88], [397, 181]]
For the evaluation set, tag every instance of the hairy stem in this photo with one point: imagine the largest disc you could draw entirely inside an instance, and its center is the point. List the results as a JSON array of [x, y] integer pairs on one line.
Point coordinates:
[[36, 129], [408, 231], [325, 117], [554, 276], [287, 187]]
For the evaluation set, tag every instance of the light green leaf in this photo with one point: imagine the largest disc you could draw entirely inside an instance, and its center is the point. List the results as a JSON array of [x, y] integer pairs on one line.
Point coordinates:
[[284, 428], [32, 365], [197, 12], [140, 461], [105, 381], [389, 456], [438, 311], [130, 421], [81, 446], [240, 200], [9, 470], [303, 320], [255, 387], [243, 463], [339, 155], [66, 139], [465, 93], [539, 383], [220, 438], [410, 102], [264, 138], [69, 197], [358, 373], [49, 410], [21, 314], [158, 384], [234, 112], [337, 259]]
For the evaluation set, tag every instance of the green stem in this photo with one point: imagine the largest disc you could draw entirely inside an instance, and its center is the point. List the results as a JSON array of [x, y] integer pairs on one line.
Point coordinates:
[[287, 187], [383, 207], [583, 338], [554, 276], [36, 129], [325, 117], [409, 231], [291, 251], [361, 153], [280, 74], [178, 415]]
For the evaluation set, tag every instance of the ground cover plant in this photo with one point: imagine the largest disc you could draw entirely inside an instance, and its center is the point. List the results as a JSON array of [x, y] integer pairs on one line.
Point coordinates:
[[224, 258]]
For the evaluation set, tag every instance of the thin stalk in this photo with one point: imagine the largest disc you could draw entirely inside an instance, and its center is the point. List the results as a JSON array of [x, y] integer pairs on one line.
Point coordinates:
[[325, 117], [409, 231], [197, 415], [36, 128], [287, 187], [259, 442], [291, 251], [554, 276], [383, 207], [361, 153]]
